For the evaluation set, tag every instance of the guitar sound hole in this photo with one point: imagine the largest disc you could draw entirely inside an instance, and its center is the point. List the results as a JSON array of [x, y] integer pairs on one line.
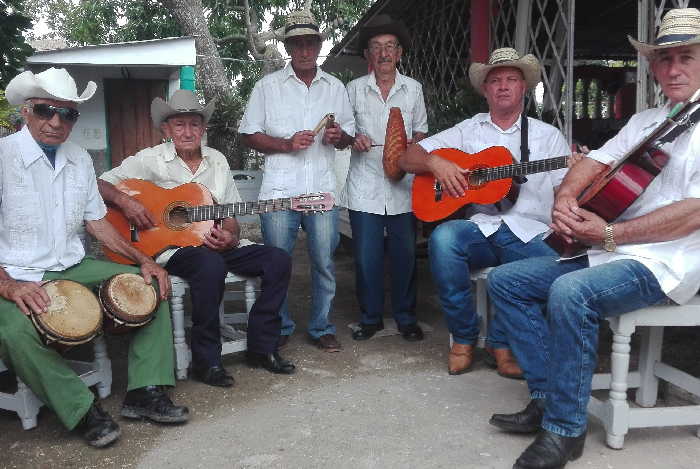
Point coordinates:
[[178, 218]]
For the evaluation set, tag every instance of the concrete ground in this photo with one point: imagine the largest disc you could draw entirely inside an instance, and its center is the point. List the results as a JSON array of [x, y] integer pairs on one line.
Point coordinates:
[[384, 403]]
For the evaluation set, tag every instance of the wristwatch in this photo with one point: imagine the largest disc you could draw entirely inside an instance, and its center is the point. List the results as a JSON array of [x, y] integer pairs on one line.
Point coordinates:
[[609, 241]]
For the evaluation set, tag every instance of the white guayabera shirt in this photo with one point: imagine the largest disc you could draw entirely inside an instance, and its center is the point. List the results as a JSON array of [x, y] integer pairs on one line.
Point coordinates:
[[42, 208], [531, 214], [367, 188]]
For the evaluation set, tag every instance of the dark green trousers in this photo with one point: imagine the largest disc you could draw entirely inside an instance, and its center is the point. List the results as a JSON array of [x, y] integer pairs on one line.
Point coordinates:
[[151, 356]]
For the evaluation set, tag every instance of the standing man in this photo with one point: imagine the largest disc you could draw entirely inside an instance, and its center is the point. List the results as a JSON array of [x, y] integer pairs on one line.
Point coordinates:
[[183, 160], [282, 108], [492, 234], [47, 190], [649, 255], [376, 202]]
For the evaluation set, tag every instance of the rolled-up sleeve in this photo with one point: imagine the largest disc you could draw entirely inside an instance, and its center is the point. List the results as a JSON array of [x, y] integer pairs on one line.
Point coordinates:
[[449, 138], [420, 115], [130, 167], [344, 115], [95, 208], [253, 120]]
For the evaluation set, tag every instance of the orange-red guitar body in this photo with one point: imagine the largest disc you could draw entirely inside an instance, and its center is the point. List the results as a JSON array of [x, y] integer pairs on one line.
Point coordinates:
[[164, 204], [431, 203]]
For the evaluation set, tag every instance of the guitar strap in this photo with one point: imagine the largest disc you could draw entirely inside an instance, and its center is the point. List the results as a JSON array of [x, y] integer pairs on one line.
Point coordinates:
[[524, 148]]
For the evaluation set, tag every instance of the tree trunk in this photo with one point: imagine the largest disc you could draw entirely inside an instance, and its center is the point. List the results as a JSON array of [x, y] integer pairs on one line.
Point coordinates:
[[190, 15]]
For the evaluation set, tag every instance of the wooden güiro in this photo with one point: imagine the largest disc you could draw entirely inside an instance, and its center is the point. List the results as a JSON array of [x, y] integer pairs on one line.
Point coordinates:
[[395, 144]]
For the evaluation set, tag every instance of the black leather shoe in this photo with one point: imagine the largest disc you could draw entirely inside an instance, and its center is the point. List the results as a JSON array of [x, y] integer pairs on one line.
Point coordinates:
[[551, 451], [98, 428], [412, 332], [367, 331], [271, 362], [525, 421], [152, 403], [213, 376]]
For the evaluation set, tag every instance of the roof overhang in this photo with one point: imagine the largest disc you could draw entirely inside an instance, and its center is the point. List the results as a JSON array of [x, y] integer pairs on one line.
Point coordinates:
[[176, 51]]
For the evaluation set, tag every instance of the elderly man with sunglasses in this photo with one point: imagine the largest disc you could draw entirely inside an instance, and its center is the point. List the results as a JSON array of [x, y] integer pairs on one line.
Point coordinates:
[[47, 190]]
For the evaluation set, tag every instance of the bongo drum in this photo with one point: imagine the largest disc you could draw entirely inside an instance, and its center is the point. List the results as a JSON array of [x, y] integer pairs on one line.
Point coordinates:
[[74, 316], [128, 302]]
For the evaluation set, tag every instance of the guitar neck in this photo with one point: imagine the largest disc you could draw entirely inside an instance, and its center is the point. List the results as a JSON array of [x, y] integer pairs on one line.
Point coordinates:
[[215, 212], [520, 169]]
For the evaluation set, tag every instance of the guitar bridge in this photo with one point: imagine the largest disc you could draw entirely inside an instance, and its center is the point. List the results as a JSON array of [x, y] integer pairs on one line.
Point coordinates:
[[438, 191]]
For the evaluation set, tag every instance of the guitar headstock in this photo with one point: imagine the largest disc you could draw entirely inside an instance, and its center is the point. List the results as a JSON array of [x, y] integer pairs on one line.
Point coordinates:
[[319, 202]]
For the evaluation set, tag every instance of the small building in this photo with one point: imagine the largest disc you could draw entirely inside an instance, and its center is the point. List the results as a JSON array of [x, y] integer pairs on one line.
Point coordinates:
[[116, 122]]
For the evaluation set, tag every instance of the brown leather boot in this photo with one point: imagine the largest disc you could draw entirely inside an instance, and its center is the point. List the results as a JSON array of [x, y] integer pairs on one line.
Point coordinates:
[[460, 359], [506, 364]]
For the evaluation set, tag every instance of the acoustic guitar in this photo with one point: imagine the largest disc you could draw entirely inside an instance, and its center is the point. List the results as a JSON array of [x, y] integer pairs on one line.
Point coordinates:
[[186, 213], [490, 178]]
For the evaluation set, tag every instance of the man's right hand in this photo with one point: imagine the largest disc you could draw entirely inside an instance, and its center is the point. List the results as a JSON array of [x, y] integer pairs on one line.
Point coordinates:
[[137, 214], [28, 296], [361, 143], [301, 141], [451, 176]]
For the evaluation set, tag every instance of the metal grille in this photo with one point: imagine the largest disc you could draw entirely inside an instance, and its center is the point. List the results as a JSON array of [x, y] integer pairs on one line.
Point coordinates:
[[550, 39], [439, 57]]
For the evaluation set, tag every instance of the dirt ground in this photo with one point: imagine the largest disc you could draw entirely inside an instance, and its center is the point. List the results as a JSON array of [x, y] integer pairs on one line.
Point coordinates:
[[380, 403]]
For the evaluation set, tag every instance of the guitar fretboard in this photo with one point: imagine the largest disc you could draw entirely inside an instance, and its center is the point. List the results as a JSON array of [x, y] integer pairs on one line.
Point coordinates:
[[214, 212], [484, 175]]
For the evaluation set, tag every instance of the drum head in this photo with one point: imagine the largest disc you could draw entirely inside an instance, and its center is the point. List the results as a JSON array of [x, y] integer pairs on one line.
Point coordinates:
[[128, 298], [74, 314]]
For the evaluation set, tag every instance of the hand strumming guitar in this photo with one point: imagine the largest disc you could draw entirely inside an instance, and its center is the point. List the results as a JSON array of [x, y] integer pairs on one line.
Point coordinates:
[[450, 175]]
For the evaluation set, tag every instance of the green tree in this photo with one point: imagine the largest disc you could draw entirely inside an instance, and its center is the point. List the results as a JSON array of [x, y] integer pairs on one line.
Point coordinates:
[[13, 49]]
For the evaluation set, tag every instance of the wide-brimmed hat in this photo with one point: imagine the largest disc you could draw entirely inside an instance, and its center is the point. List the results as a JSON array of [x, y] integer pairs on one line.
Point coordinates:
[[181, 102], [54, 83], [680, 27], [506, 57], [385, 24], [300, 23]]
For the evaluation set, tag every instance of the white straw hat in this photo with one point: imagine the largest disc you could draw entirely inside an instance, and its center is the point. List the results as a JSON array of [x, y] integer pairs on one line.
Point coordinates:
[[506, 57], [680, 27], [300, 23], [54, 83]]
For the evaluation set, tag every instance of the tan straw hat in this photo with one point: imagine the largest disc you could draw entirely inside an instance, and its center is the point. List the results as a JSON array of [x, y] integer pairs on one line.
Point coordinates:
[[680, 27], [506, 57], [181, 102], [300, 23], [54, 83]]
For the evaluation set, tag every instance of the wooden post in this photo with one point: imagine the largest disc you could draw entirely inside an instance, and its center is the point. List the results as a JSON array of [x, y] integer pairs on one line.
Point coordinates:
[[480, 29]]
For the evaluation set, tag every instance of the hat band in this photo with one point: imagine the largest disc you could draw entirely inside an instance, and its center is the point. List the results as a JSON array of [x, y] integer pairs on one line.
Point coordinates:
[[670, 38], [302, 25], [499, 61]]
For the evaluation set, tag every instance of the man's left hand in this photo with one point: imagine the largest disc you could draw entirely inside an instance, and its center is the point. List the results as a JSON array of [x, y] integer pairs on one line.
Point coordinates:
[[332, 134], [588, 228], [150, 270], [220, 239]]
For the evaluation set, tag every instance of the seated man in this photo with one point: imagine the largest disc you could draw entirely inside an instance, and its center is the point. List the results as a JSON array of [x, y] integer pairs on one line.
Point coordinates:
[[47, 190], [185, 160], [493, 234], [552, 308]]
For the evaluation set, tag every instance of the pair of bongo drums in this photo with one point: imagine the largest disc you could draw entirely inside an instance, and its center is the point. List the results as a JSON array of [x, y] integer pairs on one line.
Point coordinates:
[[75, 317]]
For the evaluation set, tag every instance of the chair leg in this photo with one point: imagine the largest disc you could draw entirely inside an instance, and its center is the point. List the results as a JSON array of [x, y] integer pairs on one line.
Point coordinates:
[[29, 405], [182, 353], [103, 365], [482, 309], [617, 421], [650, 353]]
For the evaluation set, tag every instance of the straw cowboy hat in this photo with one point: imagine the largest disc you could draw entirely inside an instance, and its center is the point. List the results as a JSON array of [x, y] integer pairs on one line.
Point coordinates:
[[680, 27], [181, 102], [54, 83], [506, 57], [384, 24], [300, 23]]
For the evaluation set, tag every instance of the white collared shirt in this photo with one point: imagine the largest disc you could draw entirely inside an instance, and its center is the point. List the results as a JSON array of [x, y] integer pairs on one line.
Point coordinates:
[[281, 105], [531, 214], [162, 166], [42, 208], [675, 264], [367, 189]]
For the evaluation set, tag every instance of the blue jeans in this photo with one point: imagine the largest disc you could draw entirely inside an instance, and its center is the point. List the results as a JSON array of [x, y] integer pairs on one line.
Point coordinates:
[[280, 229], [568, 298], [455, 248], [368, 247]]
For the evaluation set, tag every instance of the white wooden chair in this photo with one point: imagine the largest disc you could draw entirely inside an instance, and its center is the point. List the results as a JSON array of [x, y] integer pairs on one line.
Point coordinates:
[[97, 372], [233, 340], [616, 413], [483, 305]]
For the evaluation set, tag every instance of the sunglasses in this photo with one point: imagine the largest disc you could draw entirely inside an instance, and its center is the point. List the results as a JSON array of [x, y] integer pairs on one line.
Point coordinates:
[[47, 111]]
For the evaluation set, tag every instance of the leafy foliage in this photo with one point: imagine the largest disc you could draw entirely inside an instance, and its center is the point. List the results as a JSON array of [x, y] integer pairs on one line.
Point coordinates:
[[13, 49]]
